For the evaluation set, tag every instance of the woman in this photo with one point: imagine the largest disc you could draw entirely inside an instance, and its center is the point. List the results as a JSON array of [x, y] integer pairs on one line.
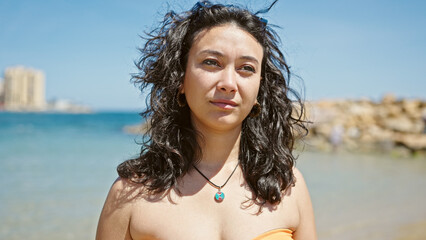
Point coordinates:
[[217, 162]]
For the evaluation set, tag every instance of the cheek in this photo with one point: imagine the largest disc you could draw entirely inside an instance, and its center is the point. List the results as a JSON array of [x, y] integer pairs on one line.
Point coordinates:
[[193, 89], [196, 82], [251, 91]]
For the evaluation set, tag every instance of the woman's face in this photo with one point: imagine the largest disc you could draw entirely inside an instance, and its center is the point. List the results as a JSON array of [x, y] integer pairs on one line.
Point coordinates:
[[222, 77]]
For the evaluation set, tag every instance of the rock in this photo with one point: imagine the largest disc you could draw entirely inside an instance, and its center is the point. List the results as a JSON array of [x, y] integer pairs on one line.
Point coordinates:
[[389, 98], [403, 124], [412, 108], [368, 125], [391, 110], [137, 129], [361, 109], [413, 142]]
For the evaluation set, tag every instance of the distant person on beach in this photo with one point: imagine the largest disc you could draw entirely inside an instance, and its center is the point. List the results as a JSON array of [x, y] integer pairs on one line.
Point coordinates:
[[217, 161], [336, 136]]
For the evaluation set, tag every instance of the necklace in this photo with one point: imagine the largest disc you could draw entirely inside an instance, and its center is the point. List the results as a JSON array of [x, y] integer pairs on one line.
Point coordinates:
[[219, 196]]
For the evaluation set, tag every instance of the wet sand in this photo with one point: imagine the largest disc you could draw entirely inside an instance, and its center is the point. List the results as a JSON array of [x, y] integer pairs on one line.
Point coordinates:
[[366, 196], [413, 231]]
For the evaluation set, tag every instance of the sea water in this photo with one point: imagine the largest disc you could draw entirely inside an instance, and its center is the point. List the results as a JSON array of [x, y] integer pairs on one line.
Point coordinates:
[[56, 169]]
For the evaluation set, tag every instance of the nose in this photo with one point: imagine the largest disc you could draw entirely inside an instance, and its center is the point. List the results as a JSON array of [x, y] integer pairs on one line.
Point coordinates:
[[228, 81]]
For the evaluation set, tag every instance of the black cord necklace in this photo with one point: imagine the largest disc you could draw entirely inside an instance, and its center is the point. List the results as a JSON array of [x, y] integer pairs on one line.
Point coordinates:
[[219, 196]]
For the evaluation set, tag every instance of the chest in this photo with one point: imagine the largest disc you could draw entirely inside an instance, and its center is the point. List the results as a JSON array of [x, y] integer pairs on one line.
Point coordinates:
[[196, 215]]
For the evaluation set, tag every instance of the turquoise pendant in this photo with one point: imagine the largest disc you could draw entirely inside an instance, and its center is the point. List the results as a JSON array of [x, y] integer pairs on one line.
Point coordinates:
[[219, 196]]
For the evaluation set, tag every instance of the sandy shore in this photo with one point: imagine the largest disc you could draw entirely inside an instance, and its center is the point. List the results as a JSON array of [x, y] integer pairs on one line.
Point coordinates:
[[414, 231]]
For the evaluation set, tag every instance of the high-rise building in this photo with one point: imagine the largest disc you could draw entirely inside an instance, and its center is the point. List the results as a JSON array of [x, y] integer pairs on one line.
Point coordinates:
[[24, 89]]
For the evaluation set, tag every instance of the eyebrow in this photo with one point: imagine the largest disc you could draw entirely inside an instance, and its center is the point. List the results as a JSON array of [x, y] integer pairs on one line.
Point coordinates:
[[217, 53]]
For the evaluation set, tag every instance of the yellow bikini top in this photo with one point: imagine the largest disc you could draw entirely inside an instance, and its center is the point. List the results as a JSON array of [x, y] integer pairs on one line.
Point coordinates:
[[276, 234]]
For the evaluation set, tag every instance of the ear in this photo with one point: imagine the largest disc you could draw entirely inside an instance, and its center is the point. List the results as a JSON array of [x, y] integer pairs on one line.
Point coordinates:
[[256, 102], [181, 89]]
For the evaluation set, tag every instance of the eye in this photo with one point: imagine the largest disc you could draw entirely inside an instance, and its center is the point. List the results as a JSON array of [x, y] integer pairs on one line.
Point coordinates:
[[248, 68], [211, 62]]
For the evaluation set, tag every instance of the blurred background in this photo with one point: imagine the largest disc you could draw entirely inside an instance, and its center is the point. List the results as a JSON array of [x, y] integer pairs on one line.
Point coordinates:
[[69, 113]]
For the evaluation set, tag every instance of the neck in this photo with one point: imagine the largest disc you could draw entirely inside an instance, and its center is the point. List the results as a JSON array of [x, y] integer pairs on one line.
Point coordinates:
[[219, 148]]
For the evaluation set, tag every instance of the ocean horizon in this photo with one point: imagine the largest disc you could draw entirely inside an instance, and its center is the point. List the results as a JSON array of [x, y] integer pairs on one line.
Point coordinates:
[[57, 169]]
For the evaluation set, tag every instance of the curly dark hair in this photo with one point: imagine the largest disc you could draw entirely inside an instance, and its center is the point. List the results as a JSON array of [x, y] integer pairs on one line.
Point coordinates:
[[170, 147]]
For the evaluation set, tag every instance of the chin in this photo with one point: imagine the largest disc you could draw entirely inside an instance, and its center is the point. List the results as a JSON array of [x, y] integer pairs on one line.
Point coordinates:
[[228, 122]]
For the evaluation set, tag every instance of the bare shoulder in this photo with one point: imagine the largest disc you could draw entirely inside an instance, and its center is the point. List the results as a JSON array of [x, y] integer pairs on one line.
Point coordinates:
[[300, 187], [122, 194], [306, 229], [116, 213]]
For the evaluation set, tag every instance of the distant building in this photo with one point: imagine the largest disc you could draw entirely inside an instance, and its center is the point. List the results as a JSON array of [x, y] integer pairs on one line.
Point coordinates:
[[24, 89], [62, 105]]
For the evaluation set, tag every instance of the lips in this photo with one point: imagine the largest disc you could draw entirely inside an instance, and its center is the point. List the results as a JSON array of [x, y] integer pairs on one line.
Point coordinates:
[[224, 104]]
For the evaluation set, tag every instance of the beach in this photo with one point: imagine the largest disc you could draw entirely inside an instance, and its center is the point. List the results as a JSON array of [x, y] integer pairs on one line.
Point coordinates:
[[57, 169], [366, 196]]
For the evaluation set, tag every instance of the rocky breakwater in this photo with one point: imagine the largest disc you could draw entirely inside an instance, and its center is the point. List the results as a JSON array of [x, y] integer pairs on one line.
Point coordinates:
[[138, 129], [390, 125]]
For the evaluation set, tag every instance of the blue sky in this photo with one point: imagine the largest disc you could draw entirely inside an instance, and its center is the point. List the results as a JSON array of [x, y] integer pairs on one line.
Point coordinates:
[[341, 49]]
